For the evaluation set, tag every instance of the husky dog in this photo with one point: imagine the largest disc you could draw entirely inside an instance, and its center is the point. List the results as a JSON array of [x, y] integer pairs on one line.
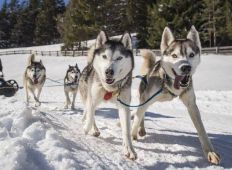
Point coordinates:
[[34, 78], [173, 75], [108, 75], [71, 81]]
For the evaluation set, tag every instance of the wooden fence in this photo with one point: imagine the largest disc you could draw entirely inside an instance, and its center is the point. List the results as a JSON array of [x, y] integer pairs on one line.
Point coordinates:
[[212, 50]]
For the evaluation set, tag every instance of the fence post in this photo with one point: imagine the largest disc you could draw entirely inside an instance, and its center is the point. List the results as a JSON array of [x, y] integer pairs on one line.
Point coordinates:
[[217, 50], [73, 53]]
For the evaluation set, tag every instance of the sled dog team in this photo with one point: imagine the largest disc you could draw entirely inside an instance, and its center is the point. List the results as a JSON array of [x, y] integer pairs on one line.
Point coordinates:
[[108, 76]]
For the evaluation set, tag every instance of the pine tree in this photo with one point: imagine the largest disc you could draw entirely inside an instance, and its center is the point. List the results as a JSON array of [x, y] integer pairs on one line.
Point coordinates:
[[46, 31], [78, 24], [23, 32], [4, 26], [212, 16], [228, 14], [175, 14]]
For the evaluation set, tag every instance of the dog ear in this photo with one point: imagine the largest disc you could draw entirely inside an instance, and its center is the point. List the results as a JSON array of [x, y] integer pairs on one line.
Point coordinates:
[[193, 35], [40, 61], [101, 39], [167, 39], [76, 65], [126, 40]]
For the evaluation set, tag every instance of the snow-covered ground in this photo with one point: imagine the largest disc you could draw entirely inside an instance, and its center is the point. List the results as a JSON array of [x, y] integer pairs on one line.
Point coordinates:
[[52, 138]]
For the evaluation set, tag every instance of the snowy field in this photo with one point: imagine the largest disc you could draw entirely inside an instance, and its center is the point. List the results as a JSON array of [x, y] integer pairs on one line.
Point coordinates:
[[52, 138]]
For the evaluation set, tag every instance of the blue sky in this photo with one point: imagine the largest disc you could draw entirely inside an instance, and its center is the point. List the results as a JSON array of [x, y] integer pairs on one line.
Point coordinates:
[[2, 1]]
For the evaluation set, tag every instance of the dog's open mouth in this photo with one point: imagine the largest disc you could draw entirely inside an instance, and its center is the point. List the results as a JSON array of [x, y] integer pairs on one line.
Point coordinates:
[[181, 80], [109, 80], [35, 81]]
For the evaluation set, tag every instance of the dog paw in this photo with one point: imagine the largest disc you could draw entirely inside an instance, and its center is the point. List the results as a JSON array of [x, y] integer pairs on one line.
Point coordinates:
[[214, 158], [73, 107], [66, 107], [142, 132], [130, 153], [96, 134], [37, 104], [134, 137]]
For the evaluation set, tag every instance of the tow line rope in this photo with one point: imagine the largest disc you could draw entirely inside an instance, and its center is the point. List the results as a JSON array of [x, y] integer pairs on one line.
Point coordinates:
[[141, 104], [60, 84]]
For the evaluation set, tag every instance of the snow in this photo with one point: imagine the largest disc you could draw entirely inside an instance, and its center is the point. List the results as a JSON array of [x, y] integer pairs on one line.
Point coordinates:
[[51, 137]]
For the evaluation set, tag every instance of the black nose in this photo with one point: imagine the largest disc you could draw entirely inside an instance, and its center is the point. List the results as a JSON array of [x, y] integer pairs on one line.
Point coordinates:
[[186, 69], [34, 76], [109, 72]]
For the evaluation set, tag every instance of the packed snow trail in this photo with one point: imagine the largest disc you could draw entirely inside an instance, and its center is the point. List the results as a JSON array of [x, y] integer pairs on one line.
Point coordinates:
[[50, 137]]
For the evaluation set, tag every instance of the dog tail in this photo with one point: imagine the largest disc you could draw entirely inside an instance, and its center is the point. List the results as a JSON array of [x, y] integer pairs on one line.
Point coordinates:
[[149, 61], [91, 54], [30, 59]]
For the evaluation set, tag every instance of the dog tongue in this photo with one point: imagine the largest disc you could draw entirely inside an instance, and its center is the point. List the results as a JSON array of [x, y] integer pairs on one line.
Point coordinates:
[[177, 81]]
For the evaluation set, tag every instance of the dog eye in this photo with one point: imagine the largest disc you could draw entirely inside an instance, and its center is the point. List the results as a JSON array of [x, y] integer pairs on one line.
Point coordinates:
[[174, 56], [104, 56], [191, 55], [119, 58]]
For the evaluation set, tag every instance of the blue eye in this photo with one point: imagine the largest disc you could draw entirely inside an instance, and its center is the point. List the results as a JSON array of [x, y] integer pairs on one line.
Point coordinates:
[[104, 56], [119, 58]]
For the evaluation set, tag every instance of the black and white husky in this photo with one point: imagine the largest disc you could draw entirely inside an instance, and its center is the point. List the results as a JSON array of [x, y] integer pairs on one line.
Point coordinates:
[[71, 81], [107, 75], [173, 75], [34, 79]]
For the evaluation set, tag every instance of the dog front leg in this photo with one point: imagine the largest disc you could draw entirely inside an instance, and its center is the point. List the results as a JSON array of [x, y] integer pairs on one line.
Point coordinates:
[[27, 96], [67, 99], [73, 101], [90, 109], [138, 117], [189, 101], [39, 92], [35, 98], [125, 119], [142, 131]]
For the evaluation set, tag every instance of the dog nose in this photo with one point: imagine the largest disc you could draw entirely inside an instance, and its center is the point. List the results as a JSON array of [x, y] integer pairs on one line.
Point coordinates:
[[186, 69], [34, 76], [109, 72]]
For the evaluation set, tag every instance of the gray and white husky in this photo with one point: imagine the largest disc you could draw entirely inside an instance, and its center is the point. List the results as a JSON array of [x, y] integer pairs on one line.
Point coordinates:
[[71, 81], [107, 75], [173, 75], [34, 79]]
